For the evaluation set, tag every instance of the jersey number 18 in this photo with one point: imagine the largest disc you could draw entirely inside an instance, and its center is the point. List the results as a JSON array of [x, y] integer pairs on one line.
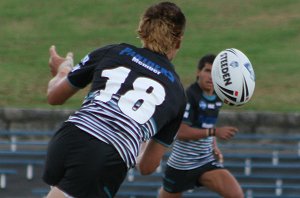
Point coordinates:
[[138, 103]]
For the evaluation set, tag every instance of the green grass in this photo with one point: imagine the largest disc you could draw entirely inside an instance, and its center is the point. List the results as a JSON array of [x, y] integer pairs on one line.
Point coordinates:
[[267, 31]]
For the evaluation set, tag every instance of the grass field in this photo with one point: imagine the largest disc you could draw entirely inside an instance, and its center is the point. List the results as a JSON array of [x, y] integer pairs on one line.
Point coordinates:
[[267, 31]]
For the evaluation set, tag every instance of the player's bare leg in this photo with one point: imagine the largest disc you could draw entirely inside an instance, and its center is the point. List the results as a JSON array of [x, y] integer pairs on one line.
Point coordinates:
[[222, 182]]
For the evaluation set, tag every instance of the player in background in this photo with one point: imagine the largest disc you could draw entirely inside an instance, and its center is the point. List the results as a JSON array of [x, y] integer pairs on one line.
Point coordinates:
[[135, 96], [195, 159]]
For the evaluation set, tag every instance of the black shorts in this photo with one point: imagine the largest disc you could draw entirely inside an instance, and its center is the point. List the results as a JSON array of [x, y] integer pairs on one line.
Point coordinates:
[[175, 181], [83, 166]]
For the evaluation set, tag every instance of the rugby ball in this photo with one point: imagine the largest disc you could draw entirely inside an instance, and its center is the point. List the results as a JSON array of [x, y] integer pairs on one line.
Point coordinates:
[[233, 77]]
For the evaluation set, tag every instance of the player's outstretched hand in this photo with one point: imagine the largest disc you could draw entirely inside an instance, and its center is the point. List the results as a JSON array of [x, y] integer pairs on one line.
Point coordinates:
[[226, 132], [58, 63]]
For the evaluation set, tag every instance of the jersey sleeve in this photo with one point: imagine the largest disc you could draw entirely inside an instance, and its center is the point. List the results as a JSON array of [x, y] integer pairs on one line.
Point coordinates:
[[167, 135], [82, 74]]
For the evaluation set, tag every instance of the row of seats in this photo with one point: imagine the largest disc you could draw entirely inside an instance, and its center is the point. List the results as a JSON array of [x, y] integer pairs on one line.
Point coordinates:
[[265, 165]]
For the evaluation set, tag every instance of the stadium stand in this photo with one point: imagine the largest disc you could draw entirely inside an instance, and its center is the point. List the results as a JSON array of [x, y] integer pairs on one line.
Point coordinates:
[[3, 175], [265, 165]]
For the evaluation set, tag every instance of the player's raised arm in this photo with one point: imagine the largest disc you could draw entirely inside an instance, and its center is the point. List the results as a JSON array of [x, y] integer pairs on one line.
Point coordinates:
[[59, 89]]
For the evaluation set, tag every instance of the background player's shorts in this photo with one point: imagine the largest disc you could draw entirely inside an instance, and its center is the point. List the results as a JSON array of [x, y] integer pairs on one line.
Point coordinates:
[[175, 180], [83, 166]]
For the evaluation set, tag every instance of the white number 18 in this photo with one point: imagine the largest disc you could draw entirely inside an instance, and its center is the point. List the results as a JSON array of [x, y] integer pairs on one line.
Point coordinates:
[[138, 103]]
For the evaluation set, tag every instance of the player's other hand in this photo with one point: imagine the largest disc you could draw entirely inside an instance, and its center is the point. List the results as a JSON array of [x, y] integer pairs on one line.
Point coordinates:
[[218, 154], [58, 63], [226, 132]]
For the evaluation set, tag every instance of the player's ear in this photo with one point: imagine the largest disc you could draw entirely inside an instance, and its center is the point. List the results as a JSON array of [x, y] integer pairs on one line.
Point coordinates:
[[178, 43], [198, 73]]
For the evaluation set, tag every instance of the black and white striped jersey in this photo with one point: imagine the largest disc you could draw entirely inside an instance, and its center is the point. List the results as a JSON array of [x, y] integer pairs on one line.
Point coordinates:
[[135, 95], [201, 112]]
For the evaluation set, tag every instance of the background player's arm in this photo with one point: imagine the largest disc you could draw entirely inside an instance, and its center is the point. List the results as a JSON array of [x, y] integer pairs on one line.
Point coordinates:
[[187, 132], [150, 157], [59, 89]]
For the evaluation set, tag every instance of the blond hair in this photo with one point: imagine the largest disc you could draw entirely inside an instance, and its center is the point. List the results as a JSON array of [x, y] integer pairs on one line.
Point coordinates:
[[161, 27]]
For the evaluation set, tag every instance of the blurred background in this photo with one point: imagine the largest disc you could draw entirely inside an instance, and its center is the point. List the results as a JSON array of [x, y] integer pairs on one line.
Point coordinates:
[[266, 31]]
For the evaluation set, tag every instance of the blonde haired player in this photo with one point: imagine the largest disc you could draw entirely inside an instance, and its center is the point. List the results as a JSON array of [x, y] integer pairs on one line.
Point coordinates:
[[136, 96]]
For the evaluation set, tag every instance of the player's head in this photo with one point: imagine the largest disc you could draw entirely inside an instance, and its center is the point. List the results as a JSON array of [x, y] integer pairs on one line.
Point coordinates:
[[207, 59], [204, 72], [161, 27]]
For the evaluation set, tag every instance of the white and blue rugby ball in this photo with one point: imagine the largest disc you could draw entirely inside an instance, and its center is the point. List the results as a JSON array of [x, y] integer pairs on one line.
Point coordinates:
[[233, 77]]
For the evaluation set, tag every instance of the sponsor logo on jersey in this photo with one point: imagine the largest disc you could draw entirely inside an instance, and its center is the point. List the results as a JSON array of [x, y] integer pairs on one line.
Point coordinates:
[[207, 125], [148, 64], [218, 104], [202, 105], [211, 106]]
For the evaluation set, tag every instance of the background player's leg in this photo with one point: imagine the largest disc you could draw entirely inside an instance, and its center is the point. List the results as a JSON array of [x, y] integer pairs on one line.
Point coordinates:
[[222, 182]]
